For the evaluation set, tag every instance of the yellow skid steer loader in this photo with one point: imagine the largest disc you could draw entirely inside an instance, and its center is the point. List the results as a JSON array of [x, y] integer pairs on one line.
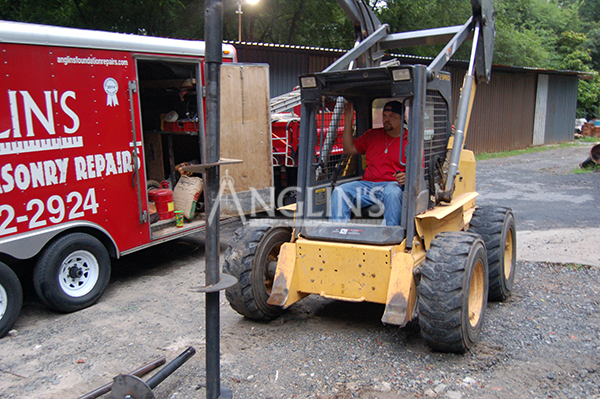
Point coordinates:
[[447, 256]]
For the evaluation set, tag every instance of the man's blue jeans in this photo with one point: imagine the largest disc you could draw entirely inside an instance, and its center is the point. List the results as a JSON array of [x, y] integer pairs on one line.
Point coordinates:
[[361, 193]]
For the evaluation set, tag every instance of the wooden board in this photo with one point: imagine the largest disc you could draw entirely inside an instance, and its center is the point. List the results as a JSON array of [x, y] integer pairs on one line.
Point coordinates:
[[246, 127], [153, 154]]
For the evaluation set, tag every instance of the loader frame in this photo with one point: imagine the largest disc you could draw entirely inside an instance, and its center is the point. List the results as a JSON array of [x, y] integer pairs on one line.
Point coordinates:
[[431, 256]]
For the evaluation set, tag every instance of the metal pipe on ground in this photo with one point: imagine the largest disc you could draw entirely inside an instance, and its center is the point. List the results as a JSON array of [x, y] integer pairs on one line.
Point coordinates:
[[145, 369], [170, 368]]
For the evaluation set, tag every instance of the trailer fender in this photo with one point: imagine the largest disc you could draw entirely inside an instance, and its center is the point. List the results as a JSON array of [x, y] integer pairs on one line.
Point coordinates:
[[29, 244]]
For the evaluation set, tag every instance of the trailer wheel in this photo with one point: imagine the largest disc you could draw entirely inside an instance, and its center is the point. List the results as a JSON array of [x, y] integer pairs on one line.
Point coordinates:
[[496, 225], [72, 272], [453, 291], [11, 299], [252, 259]]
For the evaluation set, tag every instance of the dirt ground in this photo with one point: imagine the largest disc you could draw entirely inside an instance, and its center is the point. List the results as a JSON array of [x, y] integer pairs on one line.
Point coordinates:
[[543, 342]]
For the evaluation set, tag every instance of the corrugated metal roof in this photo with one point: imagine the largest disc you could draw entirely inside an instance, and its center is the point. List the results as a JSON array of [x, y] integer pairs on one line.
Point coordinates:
[[413, 58], [286, 47]]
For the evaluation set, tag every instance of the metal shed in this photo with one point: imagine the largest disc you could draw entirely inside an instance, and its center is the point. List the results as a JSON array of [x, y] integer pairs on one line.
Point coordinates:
[[520, 107], [286, 62]]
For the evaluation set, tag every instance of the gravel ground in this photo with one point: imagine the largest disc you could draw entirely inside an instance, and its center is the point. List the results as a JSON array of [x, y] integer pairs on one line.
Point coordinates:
[[543, 342]]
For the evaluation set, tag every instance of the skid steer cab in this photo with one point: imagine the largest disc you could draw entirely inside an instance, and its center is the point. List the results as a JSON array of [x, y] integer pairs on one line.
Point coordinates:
[[447, 256]]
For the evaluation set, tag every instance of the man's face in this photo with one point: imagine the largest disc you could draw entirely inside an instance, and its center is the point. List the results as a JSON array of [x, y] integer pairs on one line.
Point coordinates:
[[391, 121]]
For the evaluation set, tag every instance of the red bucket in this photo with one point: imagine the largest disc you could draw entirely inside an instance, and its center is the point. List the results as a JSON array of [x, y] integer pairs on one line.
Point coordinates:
[[163, 198]]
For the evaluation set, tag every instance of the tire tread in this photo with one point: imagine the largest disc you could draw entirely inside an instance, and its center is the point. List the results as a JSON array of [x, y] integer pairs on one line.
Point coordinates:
[[441, 291], [489, 222], [239, 258]]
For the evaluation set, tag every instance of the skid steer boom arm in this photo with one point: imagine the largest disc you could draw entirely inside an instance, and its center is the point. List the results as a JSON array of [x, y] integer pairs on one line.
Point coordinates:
[[483, 27], [372, 38]]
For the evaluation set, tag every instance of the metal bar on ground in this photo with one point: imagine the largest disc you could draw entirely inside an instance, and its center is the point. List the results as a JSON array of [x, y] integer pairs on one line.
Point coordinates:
[[145, 369], [170, 368]]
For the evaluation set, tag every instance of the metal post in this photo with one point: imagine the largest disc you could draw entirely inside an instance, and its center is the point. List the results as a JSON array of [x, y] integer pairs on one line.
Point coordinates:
[[239, 13], [213, 34]]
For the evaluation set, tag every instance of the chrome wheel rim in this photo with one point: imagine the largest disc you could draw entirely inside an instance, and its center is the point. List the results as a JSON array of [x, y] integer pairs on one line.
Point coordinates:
[[78, 274]]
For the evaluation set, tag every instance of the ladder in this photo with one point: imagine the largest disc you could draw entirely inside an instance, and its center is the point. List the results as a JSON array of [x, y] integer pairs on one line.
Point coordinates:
[[285, 101]]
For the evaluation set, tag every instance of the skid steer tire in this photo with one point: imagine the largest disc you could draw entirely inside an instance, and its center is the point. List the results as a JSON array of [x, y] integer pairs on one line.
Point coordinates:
[[496, 226], [252, 259], [453, 292]]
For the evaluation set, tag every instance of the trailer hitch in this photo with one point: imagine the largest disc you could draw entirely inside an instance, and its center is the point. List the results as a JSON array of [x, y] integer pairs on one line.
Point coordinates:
[[129, 386]]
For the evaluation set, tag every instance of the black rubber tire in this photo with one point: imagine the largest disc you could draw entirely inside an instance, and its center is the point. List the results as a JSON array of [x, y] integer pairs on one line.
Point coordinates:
[[252, 251], [72, 272], [496, 226], [11, 299], [453, 292]]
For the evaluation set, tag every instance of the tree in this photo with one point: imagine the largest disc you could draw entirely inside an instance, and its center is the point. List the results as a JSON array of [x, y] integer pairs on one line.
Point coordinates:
[[535, 33], [318, 23], [576, 57], [145, 17]]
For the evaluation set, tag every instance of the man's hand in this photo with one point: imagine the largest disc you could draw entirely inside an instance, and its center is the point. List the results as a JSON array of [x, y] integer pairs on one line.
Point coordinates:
[[347, 138], [348, 111], [400, 177]]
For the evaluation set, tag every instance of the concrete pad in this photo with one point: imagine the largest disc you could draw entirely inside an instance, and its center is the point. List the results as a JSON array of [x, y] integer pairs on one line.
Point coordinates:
[[568, 245]]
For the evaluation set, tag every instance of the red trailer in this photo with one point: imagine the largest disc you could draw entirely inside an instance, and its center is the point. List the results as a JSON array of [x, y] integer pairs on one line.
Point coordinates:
[[90, 121]]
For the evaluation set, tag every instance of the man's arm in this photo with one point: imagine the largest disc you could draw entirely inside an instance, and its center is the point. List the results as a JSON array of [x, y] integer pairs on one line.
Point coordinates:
[[347, 138]]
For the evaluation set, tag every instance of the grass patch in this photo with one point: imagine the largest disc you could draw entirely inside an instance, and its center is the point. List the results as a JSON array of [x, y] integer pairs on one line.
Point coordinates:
[[587, 139], [591, 169], [576, 267], [505, 154]]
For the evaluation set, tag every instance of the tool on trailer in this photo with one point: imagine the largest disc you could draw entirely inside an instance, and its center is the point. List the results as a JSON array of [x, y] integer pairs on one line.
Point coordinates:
[[129, 386]]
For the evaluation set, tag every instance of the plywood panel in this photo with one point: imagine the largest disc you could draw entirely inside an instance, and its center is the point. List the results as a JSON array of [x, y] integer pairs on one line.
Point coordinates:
[[153, 153], [246, 126]]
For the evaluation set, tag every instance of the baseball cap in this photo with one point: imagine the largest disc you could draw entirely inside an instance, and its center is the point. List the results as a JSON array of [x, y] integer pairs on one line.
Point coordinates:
[[393, 106]]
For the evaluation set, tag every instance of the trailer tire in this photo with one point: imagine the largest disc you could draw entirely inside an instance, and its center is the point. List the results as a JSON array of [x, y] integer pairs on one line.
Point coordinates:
[[72, 272], [496, 226], [251, 258], [11, 299], [453, 292]]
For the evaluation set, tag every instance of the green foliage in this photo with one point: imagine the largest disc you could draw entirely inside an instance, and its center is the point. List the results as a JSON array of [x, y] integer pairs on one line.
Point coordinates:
[[588, 98], [406, 15], [145, 17], [555, 34], [319, 23], [523, 48], [589, 10], [592, 44]]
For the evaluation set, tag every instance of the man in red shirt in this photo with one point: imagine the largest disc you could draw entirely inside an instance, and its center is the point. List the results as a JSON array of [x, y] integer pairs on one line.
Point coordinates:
[[384, 177]]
